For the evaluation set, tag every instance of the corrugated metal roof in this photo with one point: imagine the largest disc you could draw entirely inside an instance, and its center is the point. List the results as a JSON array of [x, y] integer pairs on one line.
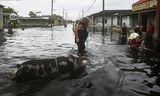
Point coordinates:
[[139, 2], [114, 12]]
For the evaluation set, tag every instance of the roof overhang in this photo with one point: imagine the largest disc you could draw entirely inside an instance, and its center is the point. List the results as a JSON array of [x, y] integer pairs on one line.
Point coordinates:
[[144, 11], [113, 12], [146, 4], [1, 6]]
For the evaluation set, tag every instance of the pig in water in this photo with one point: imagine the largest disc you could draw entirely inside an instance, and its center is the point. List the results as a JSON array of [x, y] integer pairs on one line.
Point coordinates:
[[62, 67]]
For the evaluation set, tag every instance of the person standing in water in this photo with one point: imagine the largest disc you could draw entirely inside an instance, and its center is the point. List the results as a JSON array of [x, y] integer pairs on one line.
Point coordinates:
[[9, 27], [123, 34], [149, 36], [81, 34]]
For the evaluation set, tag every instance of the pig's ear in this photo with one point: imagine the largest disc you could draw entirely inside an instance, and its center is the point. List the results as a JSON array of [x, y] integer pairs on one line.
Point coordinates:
[[18, 66]]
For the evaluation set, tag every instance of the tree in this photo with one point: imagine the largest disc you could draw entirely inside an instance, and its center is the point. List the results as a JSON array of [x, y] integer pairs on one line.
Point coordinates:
[[9, 10], [32, 14]]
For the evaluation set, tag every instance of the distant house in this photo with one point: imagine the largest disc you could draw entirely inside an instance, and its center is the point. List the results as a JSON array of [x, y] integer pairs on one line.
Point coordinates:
[[13, 16], [56, 19], [32, 22], [8, 13], [112, 18], [40, 21], [1, 17]]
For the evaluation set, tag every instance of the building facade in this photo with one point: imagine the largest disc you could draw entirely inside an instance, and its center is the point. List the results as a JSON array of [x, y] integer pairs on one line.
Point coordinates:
[[145, 11], [31, 22], [112, 18]]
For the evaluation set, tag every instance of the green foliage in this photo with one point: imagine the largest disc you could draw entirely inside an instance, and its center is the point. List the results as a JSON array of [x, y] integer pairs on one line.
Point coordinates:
[[32, 14], [14, 23], [8, 10]]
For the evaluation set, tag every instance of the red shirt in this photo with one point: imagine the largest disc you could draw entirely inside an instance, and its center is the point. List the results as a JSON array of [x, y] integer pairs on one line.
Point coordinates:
[[133, 42], [150, 29]]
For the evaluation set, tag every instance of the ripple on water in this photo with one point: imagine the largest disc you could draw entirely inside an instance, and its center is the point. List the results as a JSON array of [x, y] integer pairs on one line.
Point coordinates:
[[105, 57]]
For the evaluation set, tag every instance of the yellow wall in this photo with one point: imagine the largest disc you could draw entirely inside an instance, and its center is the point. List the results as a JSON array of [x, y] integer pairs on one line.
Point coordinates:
[[146, 5]]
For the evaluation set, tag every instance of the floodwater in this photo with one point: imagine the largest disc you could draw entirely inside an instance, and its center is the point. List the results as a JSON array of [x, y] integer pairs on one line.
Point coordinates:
[[115, 70]]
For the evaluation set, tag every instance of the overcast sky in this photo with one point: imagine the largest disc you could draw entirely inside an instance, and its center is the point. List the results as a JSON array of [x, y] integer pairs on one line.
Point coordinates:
[[72, 8]]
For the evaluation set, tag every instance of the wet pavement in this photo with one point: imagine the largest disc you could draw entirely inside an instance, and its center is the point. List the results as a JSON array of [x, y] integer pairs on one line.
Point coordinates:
[[115, 70]]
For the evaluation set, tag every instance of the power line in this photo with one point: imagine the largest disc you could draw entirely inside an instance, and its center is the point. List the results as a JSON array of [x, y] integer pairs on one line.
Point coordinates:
[[91, 5]]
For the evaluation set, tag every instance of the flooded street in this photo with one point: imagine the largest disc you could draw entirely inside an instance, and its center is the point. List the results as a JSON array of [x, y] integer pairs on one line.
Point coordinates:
[[115, 70]]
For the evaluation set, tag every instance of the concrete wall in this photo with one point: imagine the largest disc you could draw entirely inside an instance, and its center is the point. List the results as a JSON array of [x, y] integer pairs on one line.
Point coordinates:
[[108, 20], [32, 22], [126, 19], [115, 21]]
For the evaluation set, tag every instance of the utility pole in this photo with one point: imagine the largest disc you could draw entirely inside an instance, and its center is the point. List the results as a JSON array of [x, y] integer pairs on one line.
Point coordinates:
[[111, 26], [63, 16], [63, 12], [51, 12], [66, 15], [158, 17], [92, 25], [82, 13], [103, 19], [157, 28], [52, 7]]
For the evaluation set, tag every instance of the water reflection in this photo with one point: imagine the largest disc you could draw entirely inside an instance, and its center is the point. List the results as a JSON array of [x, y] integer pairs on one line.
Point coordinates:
[[2, 38], [37, 43], [151, 69]]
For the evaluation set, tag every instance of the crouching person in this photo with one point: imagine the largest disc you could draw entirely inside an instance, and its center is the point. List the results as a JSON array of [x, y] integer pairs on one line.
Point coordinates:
[[135, 40], [61, 67]]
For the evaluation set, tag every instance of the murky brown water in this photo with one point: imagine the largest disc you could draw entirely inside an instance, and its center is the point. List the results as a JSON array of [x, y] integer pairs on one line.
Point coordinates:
[[115, 70]]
